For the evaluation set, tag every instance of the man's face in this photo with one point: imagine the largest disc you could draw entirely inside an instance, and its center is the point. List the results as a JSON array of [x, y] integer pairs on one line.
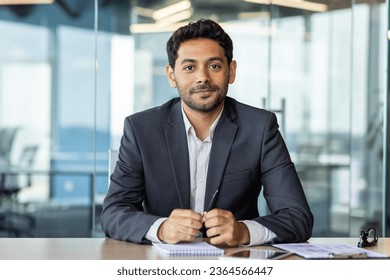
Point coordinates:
[[201, 74]]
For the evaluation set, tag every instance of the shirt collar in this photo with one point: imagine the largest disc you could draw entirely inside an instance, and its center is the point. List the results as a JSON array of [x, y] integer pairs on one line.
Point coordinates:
[[189, 128]]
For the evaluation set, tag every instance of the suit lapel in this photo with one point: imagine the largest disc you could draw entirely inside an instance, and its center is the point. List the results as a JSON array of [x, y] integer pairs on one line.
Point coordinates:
[[178, 154], [223, 139]]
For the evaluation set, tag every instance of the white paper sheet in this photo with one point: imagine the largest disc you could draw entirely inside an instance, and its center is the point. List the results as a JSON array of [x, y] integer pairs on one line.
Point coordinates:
[[328, 251]]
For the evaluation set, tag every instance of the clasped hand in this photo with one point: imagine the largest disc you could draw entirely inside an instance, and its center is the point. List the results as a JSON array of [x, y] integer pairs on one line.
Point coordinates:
[[221, 227]]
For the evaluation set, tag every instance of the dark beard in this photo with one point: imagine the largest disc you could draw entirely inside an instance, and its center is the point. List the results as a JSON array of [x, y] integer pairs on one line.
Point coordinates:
[[204, 107]]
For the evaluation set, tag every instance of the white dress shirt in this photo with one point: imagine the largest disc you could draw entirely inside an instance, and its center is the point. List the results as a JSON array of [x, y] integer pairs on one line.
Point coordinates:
[[199, 155]]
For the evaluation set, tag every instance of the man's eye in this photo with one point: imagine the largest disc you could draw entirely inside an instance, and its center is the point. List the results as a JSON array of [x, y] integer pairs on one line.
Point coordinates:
[[215, 66], [189, 68]]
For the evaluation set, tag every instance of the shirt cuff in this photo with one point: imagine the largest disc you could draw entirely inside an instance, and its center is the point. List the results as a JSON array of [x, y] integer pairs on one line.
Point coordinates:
[[151, 235], [259, 234]]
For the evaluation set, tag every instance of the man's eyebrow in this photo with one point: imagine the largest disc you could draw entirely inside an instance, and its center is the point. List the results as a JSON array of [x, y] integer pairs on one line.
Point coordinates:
[[187, 60], [191, 60], [216, 58]]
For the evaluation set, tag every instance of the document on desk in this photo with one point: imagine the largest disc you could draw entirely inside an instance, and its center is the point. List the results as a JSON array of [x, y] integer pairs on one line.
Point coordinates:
[[329, 251], [189, 249]]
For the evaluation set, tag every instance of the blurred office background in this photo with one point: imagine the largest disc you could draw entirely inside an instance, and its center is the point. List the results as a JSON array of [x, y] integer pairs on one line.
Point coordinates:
[[71, 70]]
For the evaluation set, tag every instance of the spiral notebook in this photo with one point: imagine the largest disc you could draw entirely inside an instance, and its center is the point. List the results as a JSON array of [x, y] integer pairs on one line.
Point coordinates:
[[189, 249]]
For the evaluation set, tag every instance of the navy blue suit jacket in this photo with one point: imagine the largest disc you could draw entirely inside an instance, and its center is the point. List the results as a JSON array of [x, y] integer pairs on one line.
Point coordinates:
[[152, 175]]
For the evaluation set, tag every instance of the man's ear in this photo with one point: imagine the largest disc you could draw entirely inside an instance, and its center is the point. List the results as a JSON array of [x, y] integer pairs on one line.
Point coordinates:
[[170, 76], [232, 71]]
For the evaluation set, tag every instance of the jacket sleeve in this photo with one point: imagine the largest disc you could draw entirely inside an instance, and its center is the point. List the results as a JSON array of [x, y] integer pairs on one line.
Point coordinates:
[[290, 216], [123, 217]]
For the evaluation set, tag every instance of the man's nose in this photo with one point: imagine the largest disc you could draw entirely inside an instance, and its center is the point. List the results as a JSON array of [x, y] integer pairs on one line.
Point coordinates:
[[203, 76]]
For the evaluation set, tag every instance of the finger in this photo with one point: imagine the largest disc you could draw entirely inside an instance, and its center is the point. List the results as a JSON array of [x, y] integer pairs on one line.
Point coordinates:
[[212, 213], [187, 213], [212, 232], [185, 224], [173, 232], [216, 221], [179, 237], [184, 231], [187, 218], [225, 238], [218, 240], [217, 213]]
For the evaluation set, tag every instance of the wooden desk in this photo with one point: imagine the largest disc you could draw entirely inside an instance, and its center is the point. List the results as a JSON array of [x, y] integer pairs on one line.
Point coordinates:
[[110, 249]]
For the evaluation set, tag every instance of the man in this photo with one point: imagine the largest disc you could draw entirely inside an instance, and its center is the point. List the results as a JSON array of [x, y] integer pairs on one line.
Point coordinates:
[[197, 163]]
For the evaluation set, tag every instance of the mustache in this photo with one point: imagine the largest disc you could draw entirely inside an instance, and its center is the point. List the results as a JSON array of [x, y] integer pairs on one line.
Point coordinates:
[[204, 88]]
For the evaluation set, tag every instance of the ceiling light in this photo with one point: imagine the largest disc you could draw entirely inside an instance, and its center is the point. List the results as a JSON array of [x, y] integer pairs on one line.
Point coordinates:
[[154, 28], [25, 2], [145, 12], [251, 15], [297, 4], [171, 10], [175, 17]]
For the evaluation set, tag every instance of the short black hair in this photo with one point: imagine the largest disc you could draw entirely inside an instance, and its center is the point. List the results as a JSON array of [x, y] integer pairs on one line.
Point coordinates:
[[203, 28]]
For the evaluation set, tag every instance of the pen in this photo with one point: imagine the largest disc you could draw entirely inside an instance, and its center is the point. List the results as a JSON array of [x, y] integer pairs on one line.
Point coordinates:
[[211, 204], [349, 256], [212, 201]]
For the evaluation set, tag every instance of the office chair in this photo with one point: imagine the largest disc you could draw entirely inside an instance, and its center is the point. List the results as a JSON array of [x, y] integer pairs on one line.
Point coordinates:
[[7, 137], [16, 223]]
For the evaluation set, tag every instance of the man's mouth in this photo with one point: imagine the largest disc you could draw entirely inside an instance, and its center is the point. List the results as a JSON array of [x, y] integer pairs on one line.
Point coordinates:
[[203, 90]]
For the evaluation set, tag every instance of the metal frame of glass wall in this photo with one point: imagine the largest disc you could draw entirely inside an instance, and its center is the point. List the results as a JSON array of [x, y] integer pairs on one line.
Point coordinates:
[[386, 143]]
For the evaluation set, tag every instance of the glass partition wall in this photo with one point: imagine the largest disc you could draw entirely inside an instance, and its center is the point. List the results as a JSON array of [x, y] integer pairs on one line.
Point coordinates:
[[49, 165], [71, 71]]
